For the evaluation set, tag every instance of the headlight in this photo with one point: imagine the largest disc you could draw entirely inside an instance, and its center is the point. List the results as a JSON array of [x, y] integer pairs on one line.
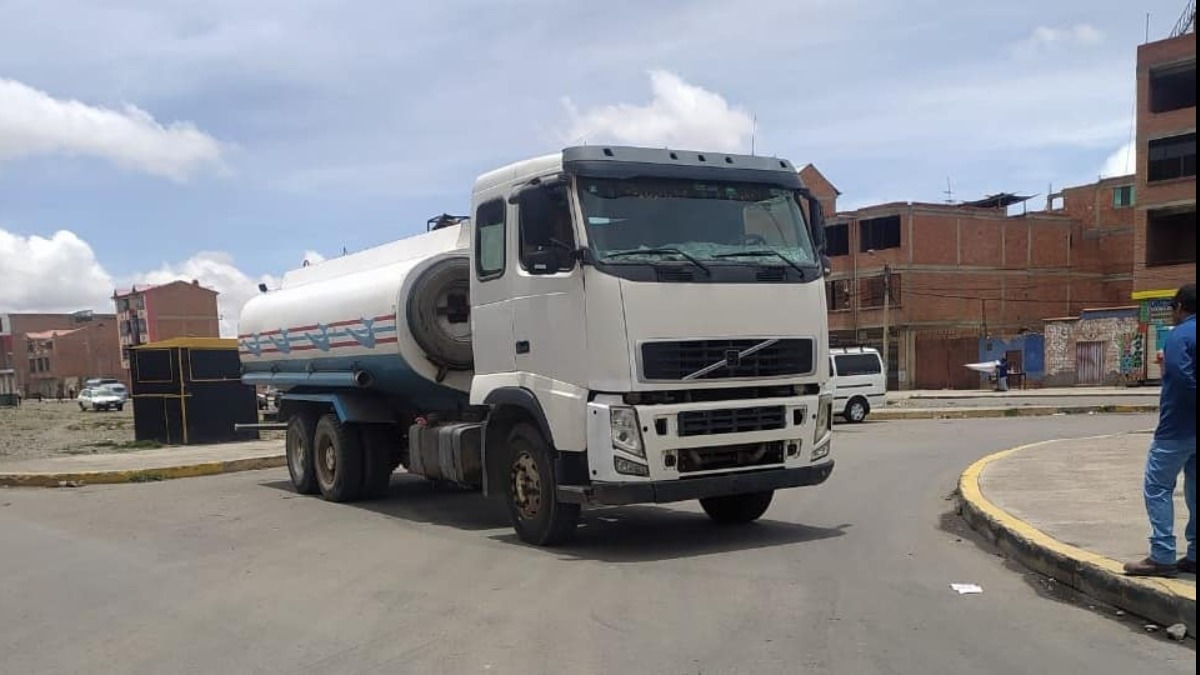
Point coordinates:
[[626, 434], [824, 417]]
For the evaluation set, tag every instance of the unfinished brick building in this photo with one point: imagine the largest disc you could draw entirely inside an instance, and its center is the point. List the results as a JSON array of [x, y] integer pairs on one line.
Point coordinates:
[[1165, 250], [962, 275]]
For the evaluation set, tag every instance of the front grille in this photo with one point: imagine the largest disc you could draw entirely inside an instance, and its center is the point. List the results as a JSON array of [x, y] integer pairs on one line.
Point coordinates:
[[732, 421], [730, 457], [679, 360]]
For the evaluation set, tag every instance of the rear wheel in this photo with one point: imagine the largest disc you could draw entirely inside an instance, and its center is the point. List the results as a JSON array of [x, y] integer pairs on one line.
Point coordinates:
[[83, 407], [856, 410], [299, 446], [737, 509], [537, 515], [379, 443], [338, 460]]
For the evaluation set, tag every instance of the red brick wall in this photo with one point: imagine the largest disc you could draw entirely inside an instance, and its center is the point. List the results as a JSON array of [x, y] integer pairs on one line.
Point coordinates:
[[1166, 193]]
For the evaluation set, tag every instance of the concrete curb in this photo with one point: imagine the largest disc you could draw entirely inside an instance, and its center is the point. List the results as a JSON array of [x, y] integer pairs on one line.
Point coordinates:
[[1164, 601], [28, 479], [1028, 411]]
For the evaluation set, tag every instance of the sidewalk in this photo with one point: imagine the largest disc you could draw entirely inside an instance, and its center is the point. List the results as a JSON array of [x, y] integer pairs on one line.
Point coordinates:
[[1073, 510], [1060, 392], [143, 465]]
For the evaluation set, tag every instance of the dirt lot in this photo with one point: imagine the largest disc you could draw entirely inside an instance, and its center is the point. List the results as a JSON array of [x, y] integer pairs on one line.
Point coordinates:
[[51, 428]]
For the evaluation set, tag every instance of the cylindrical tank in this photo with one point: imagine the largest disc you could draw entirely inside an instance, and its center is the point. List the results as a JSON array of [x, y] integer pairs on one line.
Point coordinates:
[[395, 318]]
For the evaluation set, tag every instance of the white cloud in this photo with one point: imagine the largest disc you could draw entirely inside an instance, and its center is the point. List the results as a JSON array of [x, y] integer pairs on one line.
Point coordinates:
[[1122, 162], [215, 270], [680, 115], [34, 123], [1046, 37], [62, 274], [56, 274]]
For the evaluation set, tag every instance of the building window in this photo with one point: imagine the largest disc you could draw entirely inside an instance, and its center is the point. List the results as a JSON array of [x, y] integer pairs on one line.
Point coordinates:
[[489, 240], [1173, 157], [837, 240], [872, 291], [877, 234], [1123, 196], [838, 295], [1173, 88], [1171, 237]]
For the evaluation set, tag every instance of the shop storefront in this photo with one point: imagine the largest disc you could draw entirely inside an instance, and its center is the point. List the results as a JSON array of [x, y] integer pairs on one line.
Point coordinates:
[[1154, 323]]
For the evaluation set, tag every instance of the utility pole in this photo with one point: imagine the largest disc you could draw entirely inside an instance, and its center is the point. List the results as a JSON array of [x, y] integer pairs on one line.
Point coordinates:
[[887, 307]]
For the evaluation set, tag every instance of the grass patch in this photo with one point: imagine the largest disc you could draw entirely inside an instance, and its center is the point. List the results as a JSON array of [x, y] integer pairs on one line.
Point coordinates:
[[1012, 412], [147, 478]]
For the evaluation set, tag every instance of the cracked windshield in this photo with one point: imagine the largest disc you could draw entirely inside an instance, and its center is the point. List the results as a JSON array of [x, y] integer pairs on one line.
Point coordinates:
[[646, 220]]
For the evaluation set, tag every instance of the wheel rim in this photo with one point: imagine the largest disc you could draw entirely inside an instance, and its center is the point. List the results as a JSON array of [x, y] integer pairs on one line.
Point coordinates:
[[526, 486], [326, 463], [296, 458], [857, 412]]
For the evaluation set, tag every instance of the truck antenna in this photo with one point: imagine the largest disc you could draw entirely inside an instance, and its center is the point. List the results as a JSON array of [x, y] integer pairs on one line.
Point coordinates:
[[753, 133]]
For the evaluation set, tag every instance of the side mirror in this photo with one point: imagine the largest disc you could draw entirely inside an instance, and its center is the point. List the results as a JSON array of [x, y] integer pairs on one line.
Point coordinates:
[[543, 261]]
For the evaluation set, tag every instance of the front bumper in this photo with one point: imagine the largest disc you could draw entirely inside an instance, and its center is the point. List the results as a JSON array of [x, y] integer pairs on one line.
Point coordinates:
[[658, 492]]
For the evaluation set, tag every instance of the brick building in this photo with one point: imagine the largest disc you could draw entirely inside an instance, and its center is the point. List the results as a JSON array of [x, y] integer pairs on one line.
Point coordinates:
[[153, 313], [1165, 248], [61, 360], [36, 365], [968, 282]]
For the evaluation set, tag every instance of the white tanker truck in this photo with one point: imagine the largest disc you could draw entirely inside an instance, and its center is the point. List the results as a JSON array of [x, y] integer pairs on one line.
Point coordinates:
[[612, 325]]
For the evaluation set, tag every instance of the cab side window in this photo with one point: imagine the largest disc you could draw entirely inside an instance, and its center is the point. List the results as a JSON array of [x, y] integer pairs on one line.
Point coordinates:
[[489, 240], [545, 229]]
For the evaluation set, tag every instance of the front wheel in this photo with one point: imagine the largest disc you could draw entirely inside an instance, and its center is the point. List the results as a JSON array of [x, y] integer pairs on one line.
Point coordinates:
[[537, 515], [737, 509], [82, 407], [120, 407]]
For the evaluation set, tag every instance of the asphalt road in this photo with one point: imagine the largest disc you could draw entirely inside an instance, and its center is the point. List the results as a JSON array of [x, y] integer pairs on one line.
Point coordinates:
[[235, 574]]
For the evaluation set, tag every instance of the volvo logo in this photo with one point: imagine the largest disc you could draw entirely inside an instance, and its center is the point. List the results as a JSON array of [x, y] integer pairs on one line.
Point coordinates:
[[733, 358]]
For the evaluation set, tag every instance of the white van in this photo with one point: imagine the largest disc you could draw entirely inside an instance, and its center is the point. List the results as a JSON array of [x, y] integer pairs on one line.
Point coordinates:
[[859, 384]]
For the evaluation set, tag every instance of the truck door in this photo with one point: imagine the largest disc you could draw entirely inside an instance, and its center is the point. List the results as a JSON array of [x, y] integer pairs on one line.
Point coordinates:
[[491, 297], [547, 289]]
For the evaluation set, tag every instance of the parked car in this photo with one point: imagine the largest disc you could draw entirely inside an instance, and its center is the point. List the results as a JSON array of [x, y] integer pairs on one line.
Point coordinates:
[[118, 389], [267, 398], [859, 384], [99, 398]]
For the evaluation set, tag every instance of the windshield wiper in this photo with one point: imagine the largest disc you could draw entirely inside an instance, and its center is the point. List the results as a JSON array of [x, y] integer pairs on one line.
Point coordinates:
[[765, 253], [660, 251]]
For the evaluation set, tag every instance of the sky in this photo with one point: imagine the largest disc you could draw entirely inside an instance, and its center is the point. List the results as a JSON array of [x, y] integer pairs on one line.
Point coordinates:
[[143, 141]]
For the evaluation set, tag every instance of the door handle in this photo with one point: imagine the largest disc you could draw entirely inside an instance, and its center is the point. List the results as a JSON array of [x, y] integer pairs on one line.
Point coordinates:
[[522, 346]]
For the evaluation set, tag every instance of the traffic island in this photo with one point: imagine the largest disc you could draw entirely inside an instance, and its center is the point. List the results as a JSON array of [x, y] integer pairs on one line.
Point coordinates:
[[143, 466], [1032, 500]]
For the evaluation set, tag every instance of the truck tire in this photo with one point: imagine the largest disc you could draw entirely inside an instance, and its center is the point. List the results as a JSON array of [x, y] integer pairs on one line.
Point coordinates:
[[338, 459], [298, 445], [537, 515], [439, 312], [377, 447], [737, 509]]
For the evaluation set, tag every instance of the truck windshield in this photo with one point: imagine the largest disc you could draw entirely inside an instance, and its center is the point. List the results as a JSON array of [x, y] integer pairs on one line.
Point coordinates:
[[726, 223]]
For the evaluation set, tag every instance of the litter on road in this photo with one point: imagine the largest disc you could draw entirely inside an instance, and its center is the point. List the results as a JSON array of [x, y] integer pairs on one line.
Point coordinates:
[[967, 589]]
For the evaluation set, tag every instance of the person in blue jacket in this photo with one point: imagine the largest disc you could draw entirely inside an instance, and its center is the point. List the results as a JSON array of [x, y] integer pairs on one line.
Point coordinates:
[[1173, 448]]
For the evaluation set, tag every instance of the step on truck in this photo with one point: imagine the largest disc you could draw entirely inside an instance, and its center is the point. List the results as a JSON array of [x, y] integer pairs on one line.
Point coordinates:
[[609, 326]]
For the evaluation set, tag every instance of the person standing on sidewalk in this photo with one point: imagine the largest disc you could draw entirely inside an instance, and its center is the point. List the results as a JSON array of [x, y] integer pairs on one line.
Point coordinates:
[[1173, 448], [1002, 374]]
